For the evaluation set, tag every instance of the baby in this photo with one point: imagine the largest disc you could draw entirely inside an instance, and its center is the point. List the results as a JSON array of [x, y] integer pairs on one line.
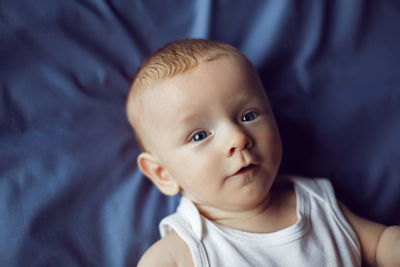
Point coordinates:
[[203, 120]]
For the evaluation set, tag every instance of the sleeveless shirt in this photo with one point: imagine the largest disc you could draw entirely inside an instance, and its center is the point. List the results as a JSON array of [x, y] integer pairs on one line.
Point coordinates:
[[320, 237]]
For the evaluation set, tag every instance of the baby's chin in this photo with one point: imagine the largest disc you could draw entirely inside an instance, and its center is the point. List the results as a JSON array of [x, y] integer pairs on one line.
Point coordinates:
[[250, 197]]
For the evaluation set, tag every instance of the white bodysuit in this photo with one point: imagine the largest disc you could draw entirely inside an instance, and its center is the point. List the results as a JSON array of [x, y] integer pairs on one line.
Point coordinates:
[[320, 237]]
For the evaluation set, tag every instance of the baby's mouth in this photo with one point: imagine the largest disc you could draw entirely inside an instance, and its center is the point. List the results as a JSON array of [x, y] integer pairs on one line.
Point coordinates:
[[246, 169]]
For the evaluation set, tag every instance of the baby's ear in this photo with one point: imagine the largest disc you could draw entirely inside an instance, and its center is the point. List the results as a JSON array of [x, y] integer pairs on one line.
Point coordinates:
[[160, 177]]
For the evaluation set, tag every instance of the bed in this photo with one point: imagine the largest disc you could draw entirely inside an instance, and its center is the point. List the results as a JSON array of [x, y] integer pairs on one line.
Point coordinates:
[[70, 190]]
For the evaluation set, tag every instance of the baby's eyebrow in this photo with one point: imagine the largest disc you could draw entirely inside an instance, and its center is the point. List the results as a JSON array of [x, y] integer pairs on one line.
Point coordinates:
[[188, 118], [184, 124]]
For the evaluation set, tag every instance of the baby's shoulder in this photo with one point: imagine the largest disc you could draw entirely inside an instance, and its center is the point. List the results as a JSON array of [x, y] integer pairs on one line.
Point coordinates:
[[168, 251]]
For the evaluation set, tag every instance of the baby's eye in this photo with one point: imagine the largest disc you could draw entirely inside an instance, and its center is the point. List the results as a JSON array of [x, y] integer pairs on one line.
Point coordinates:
[[200, 135], [249, 116]]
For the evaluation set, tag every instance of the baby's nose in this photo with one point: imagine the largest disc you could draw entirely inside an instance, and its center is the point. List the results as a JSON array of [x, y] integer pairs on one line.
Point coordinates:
[[237, 141]]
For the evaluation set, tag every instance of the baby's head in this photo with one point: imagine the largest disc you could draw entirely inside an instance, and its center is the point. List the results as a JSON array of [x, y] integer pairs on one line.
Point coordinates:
[[205, 125]]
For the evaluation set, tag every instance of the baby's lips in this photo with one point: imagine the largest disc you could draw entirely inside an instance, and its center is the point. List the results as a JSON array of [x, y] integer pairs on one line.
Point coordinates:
[[245, 168]]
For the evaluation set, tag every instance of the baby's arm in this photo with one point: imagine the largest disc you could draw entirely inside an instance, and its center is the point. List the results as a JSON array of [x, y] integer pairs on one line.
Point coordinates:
[[170, 251], [388, 251], [157, 255], [380, 245]]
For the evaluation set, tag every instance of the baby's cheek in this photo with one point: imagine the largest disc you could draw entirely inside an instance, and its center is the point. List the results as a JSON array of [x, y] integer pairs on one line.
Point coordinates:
[[199, 164]]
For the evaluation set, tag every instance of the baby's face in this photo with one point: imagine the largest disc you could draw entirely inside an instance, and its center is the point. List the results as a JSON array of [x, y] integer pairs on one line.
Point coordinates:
[[206, 125]]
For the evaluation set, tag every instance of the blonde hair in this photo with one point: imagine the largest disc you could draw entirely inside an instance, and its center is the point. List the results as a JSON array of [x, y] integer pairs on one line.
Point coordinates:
[[174, 58]]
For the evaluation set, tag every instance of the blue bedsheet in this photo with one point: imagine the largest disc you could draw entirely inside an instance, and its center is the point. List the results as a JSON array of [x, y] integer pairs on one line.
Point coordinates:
[[70, 192]]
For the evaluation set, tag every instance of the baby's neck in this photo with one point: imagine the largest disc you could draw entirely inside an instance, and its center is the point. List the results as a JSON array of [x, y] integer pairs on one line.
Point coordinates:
[[276, 212]]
